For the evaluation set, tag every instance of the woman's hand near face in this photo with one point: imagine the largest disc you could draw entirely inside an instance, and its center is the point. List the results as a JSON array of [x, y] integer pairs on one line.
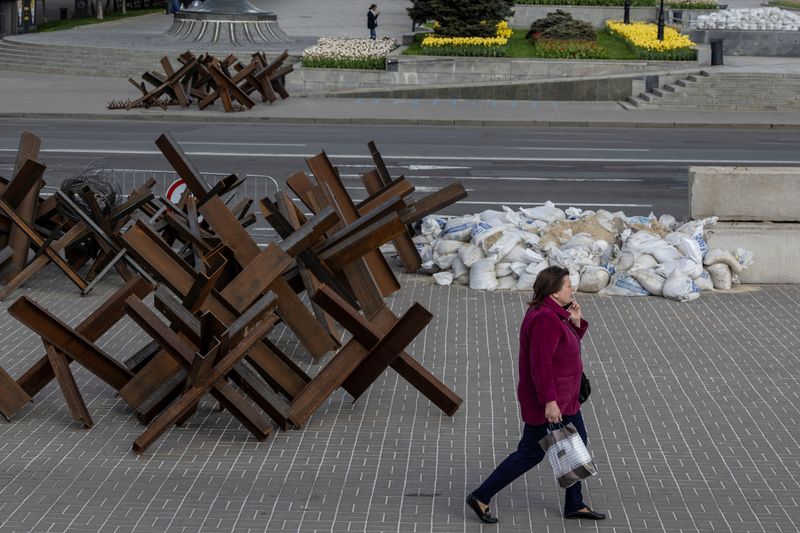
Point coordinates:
[[575, 314]]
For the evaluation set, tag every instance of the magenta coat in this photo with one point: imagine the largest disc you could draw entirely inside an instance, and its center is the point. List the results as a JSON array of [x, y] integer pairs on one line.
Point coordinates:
[[550, 363]]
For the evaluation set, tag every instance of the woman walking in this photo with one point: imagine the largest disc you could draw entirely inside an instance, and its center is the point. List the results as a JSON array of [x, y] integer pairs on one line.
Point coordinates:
[[550, 369]]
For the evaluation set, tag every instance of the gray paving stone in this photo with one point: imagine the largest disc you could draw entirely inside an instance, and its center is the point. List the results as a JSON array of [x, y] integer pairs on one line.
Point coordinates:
[[692, 422]]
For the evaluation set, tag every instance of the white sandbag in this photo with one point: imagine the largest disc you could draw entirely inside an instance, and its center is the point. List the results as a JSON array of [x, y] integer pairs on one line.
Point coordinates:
[[641, 220], [594, 279], [431, 226], [704, 282], [690, 247], [622, 284], [518, 268], [501, 242], [460, 228], [644, 261], [502, 270], [470, 253], [575, 278], [443, 278], [525, 281], [680, 287], [581, 240], [683, 266], [668, 221], [506, 283], [516, 255], [532, 256], [444, 261], [460, 272], [494, 216], [446, 247], [745, 257], [691, 227], [652, 281], [625, 260], [482, 230], [535, 268], [648, 243], [720, 275], [528, 238], [425, 252], [481, 274], [534, 226], [608, 220], [718, 255], [548, 213], [574, 213], [603, 251]]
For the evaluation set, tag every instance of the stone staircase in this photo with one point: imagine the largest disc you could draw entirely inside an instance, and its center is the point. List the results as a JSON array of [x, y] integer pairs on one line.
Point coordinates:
[[724, 91], [90, 61]]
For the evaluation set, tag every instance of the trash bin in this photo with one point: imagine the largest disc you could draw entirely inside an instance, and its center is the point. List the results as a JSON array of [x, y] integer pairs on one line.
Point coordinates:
[[62, 13], [716, 51]]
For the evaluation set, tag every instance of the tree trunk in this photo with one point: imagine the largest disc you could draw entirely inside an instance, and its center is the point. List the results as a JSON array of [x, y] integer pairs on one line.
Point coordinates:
[[99, 9]]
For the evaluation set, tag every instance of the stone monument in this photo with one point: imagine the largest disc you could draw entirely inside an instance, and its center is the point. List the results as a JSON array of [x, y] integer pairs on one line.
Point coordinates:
[[236, 22]]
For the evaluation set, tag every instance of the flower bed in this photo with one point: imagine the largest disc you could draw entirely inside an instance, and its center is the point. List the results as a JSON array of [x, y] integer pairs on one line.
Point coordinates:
[[642, 37], [566, 49], [348, 52], [469, 46]]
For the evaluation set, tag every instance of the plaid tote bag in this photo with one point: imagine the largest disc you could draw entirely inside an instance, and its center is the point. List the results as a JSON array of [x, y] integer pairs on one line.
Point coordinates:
[[568, 455]]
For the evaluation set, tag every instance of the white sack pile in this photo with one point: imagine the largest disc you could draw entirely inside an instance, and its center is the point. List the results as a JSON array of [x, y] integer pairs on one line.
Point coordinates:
[[762, 18], [605, 252]]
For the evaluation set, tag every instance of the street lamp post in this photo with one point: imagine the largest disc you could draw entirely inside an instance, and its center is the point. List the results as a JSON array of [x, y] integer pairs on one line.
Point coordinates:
[[661, 21], [627, 12]]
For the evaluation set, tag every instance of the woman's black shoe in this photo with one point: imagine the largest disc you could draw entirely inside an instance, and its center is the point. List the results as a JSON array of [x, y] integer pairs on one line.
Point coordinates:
[[485, 516], [587, 514]]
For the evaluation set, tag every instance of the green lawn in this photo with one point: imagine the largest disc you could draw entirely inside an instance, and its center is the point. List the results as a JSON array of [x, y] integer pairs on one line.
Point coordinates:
[[785, 4], [518, 46], [75, 22]]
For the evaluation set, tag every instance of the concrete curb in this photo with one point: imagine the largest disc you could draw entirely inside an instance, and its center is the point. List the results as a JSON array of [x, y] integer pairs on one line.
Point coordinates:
[[403, 121]]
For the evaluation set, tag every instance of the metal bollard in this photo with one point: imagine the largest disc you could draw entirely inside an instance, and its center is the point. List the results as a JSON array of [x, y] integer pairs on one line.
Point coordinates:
[[716, 51]]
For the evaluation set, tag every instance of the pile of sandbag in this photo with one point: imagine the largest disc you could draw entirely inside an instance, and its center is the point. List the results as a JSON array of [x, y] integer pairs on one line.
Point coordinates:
[[608, 253], [761, 18]]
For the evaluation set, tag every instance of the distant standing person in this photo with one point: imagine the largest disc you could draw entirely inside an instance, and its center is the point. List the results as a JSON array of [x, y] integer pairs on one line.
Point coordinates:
[[550, 370], [372, 21]]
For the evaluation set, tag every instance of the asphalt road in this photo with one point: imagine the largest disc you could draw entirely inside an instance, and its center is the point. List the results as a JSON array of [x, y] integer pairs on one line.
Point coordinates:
[[633, 170]]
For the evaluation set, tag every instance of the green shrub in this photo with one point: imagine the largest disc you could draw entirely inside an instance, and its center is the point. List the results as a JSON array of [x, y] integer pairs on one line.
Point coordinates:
[[369, 63], [569, 49], [463, 18], [561, 25]]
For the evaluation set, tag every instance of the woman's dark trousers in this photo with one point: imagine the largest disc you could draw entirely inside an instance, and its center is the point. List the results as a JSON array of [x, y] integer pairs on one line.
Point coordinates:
[[528, 455]]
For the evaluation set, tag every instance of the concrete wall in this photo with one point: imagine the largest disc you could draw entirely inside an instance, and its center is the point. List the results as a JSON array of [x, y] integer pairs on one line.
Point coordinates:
[[759, 195], [745, 193], [576, 89], [430, 70], [775, 247], [752, 42]]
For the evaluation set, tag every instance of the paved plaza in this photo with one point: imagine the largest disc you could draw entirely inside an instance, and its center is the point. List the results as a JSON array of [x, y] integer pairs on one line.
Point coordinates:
[[693, 423]]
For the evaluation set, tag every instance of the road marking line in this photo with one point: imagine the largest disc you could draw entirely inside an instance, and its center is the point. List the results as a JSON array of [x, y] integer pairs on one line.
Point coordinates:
[[429, 158], [509, 178], [579, 149]]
